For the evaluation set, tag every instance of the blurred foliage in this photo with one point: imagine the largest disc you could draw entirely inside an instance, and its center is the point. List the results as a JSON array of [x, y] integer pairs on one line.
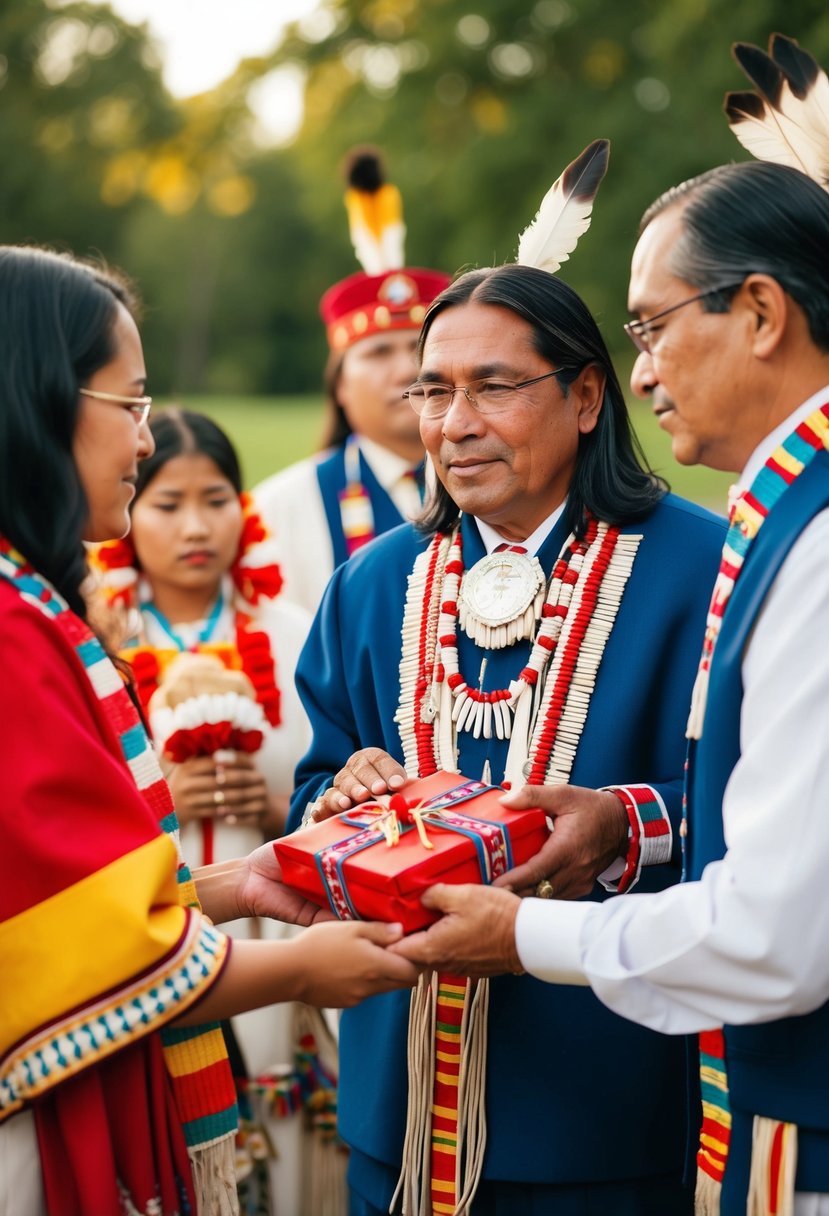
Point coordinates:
[[478, 105]]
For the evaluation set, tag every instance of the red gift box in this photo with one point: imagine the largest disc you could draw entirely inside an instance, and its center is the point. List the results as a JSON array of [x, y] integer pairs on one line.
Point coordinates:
[[347, 863]]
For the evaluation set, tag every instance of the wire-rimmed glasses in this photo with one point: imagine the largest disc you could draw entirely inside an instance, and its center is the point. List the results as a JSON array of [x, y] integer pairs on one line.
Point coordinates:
[[139, 407], [639, 332], [487, 395]]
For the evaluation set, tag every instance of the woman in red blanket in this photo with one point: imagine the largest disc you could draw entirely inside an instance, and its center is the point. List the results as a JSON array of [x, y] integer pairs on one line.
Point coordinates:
[[115, 1093]]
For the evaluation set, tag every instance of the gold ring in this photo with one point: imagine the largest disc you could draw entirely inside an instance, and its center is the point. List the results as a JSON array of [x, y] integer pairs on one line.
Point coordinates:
[[219, 797], [544, 889]]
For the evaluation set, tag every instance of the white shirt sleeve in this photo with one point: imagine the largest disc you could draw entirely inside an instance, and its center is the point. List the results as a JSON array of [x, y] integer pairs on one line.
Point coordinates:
[[292, 508], [747, 942]]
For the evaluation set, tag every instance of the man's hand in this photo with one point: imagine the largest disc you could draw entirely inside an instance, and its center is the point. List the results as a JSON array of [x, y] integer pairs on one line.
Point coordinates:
[[368, 773], [475, 936], [590, 830]]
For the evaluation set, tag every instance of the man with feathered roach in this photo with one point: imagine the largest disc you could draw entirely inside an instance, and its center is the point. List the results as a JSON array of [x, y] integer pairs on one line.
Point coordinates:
[[368, 475]]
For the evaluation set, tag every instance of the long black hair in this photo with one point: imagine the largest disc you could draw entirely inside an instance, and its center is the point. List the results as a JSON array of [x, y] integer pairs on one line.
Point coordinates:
[[611, 479], [179, 432], [57, 317], [336, 427]]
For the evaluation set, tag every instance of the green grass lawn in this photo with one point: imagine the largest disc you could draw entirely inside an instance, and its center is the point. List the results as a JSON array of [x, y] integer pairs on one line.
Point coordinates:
[[272, 432], [705, 486]]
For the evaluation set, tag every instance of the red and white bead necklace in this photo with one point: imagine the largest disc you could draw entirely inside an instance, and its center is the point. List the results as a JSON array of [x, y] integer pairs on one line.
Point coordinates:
[[542, 712], [487, 713]]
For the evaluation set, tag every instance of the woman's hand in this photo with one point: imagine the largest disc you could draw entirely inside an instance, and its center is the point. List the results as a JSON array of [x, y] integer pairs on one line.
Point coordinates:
[[331, 965], [253, 886], [367, 774], [231, 789], [342, 964]]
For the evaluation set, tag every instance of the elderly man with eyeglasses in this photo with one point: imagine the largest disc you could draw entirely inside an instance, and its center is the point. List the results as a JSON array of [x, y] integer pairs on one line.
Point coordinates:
[[730, 288], [541, 623]]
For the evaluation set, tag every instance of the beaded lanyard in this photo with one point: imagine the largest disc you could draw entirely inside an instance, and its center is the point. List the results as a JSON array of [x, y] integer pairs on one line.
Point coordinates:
[[356, 508], [356, 511]]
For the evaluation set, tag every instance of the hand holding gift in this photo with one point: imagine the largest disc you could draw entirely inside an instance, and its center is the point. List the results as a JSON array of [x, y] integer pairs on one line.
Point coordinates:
[[376, 860], [475, 935], [370, 771]]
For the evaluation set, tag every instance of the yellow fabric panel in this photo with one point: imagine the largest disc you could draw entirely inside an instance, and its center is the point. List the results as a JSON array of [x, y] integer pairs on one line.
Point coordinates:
[[65, 945], [179, 1056]]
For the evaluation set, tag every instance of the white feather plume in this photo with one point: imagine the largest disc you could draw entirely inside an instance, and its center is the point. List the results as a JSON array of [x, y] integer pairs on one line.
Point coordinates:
[[757, 128], [787, 120], [804, 95], [564, 214]]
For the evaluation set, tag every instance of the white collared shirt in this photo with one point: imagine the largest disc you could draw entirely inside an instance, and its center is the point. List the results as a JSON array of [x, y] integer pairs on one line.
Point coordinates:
[[393, 474], [766, 446], [293, 509], [534, 541], [747, 942]]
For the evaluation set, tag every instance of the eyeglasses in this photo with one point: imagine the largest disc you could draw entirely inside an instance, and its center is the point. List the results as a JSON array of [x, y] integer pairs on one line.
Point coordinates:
[[486, 395], [639, 332], [139, 407]]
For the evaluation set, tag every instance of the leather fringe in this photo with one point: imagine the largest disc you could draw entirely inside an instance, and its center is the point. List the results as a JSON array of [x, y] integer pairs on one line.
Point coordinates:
[[415, 1182], [214, 1178], [773, 1168]]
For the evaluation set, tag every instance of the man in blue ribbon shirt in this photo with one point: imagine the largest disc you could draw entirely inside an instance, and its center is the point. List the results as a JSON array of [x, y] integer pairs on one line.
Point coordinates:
[[585, 641]]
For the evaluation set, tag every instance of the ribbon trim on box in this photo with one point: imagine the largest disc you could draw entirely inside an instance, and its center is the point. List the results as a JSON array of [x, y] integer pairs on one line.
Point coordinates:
[[391, 821]]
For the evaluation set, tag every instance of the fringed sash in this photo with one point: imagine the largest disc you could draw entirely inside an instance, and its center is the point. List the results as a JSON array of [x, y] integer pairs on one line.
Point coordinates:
[[774, 1148], [447, 1051], [196, 1057]]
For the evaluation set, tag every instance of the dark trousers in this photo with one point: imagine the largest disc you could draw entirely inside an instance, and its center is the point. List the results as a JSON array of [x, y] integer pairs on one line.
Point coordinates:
[[642, 1197]]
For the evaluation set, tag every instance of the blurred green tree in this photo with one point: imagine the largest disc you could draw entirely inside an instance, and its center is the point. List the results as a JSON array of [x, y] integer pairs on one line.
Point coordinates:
[[478, 105], [481, 103], [78, 87]]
